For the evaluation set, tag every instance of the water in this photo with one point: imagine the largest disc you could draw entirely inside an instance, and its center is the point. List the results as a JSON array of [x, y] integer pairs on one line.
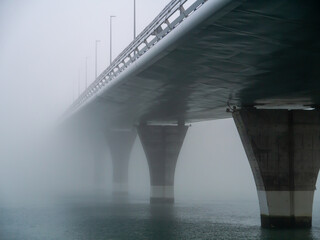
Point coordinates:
[[139, 220]]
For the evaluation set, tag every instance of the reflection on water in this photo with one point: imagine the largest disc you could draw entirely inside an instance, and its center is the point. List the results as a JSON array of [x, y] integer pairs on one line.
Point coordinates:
[[288, 234], [163, 224], [135, 220]]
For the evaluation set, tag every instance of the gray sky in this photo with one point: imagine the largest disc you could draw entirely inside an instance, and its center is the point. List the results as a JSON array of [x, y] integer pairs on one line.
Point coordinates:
[[43, 46]]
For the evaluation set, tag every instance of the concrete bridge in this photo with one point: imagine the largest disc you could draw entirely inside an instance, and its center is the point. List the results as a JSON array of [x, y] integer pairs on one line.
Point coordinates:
[[256, 61]]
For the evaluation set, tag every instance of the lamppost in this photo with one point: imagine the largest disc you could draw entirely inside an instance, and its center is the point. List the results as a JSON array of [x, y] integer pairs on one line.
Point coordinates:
[[87, 72], [111, 38], [73, 89], [134, 19], [96, 59], [79, 76]]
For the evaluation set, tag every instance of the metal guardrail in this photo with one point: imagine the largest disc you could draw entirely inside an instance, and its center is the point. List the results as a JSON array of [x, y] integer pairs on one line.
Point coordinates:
[[168, 19]]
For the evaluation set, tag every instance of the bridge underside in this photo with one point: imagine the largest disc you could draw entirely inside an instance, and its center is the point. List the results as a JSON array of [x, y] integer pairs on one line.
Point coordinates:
[[262, 53], [255, 53]]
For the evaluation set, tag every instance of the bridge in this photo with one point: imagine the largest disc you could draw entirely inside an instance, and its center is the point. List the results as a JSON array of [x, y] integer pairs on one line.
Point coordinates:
[[256, 61]]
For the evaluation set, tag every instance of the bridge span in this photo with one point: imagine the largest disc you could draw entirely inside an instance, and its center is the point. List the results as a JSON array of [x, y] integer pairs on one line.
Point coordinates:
[[257, 59]]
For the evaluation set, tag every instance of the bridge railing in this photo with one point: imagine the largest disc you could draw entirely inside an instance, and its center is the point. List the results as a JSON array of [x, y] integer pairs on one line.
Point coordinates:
[[168, 19]]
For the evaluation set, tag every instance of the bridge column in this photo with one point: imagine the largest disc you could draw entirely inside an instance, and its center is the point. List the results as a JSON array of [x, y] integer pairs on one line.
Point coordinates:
[[120, 144], [283, 148], [99, 168], [162, 145]]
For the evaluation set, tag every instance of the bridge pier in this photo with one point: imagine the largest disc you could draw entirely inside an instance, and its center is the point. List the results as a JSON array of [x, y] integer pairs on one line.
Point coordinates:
[[99, 168], [162, 145], [120, 144], [283, 149]]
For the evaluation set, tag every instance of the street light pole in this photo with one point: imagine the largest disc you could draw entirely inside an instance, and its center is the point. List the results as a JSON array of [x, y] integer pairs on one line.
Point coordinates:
[[79, 83], [111, 38], [86, 72], [73, 89], [134, 19], [96, 60]]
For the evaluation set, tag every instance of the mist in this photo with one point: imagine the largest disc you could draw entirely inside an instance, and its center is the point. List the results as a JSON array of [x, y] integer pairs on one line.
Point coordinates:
[[43, 47]]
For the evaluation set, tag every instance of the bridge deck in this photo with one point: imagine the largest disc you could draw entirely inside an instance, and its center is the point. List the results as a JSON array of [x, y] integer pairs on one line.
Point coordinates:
[[251, 52]]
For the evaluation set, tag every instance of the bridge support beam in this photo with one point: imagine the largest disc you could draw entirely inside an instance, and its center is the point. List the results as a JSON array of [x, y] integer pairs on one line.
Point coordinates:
[[283, 148], [120, 144], [162, 145]]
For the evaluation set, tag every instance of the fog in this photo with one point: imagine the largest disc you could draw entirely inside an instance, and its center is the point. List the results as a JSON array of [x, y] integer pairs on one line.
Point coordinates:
[[43, 46]]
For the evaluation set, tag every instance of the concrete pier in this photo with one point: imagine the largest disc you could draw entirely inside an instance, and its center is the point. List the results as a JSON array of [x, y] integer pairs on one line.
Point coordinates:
[[120, 144], [283, 149], [162, 145], [99, 169]]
